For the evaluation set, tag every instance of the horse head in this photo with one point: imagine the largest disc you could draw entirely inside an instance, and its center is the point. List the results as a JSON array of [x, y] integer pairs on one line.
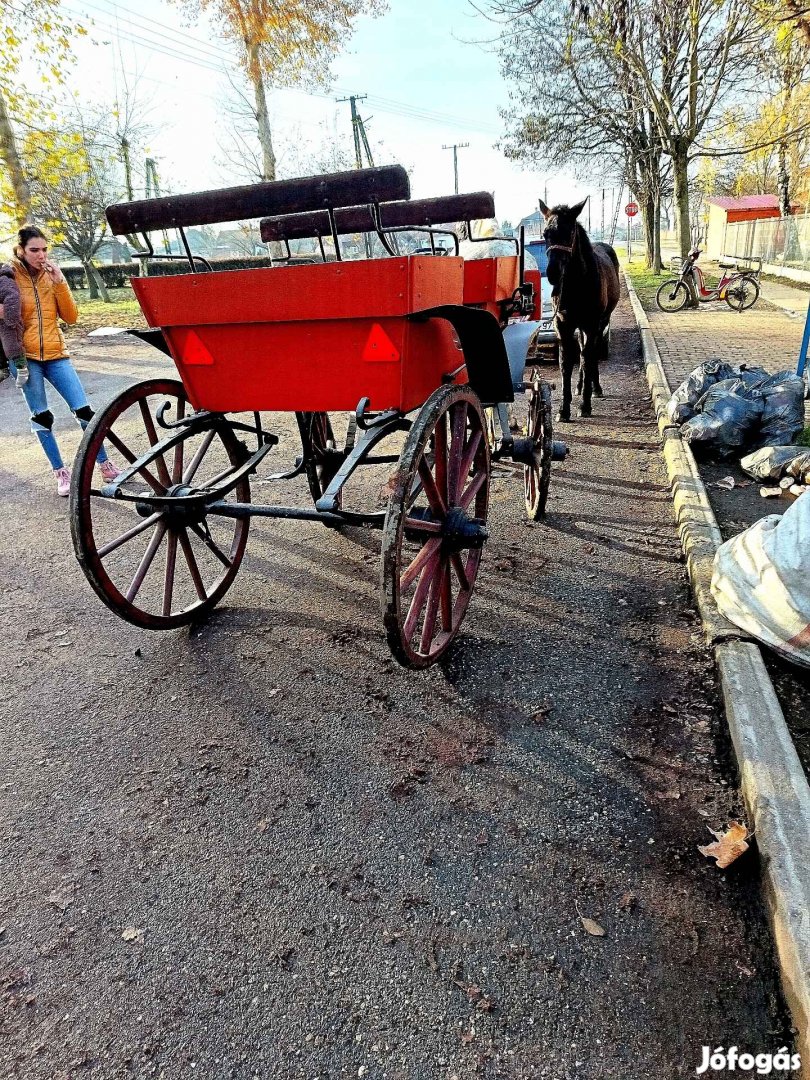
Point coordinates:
[[560, 234]]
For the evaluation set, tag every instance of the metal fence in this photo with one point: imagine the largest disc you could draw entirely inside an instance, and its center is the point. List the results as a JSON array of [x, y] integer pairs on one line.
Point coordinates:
[[783, 241]]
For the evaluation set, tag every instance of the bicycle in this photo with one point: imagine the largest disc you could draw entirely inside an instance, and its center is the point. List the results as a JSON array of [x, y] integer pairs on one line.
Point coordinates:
[[740, 290]]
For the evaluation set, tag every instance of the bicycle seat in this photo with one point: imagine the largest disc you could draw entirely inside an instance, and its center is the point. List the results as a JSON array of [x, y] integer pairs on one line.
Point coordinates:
[[726, 265]]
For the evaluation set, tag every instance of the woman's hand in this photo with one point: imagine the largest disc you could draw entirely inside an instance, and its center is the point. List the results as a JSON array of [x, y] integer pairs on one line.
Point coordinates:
[[53, 272], [2, 312]]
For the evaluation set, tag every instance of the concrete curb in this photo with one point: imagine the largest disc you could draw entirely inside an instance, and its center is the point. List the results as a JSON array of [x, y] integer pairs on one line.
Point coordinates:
[[773, 782]]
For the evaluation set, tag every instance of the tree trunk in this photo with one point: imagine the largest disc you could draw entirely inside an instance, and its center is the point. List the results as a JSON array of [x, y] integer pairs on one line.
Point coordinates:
[[648, 212], [10, 156], [262, 116], [657, 236], [783, 180], [95, 282], [681, 177]]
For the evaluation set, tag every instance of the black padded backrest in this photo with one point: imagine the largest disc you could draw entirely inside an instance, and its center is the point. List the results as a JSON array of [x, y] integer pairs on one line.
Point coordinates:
[[393, 215], [307, 193]]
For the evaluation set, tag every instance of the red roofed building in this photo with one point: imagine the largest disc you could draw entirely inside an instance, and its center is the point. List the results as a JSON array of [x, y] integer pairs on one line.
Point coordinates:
[[724, 210]]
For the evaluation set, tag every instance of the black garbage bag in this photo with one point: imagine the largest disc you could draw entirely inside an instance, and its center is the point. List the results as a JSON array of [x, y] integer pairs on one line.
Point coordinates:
[[728, 414], [782, 409], [682, 405]]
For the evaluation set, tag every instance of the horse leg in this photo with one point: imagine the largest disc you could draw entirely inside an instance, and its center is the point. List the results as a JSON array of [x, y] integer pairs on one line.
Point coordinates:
[[569, 352], [580, 340], [587, 366], [601, 355]]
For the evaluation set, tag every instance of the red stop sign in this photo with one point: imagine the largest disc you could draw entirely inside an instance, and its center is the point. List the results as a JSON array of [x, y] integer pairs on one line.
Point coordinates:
[[631, 209]]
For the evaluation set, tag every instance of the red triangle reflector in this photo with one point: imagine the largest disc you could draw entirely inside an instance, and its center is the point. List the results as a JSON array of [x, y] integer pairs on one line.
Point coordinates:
[[379, 345]]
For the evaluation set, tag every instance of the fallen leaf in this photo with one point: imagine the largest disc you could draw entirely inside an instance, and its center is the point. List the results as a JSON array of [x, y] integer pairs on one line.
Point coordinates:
[[467, 1036], [132, 933], [727, 483], [728, 845], [482, 840], [627, 902], [593, 928], [263, 825]]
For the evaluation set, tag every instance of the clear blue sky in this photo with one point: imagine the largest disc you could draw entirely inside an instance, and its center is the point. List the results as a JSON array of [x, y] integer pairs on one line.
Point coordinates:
[[429, 78]]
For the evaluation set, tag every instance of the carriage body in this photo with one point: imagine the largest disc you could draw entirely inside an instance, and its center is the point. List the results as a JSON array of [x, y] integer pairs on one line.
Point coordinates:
[[309, 338]]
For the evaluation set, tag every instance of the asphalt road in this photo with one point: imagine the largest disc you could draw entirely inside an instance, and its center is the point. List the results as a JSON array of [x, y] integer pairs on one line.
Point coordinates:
[[259, 848]]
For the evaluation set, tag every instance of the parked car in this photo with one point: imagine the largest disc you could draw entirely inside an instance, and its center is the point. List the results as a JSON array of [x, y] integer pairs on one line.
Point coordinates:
[[543, 344]]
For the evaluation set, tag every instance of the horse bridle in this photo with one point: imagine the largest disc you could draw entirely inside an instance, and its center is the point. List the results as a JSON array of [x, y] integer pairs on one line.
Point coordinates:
[[569, 250]]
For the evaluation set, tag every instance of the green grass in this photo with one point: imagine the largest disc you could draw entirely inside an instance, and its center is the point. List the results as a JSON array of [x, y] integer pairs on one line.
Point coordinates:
[[645, 282], [123, 310]]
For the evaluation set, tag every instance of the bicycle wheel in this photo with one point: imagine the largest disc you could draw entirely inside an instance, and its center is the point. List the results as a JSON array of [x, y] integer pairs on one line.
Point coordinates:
[[672, 295], [742, 293]]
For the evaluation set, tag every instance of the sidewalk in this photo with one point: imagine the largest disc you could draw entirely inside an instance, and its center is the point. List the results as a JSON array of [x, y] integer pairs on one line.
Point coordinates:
[[771, 777], [791, 299]]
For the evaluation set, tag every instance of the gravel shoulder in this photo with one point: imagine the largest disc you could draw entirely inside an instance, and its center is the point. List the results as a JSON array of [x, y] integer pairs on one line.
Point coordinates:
[[259, 848]]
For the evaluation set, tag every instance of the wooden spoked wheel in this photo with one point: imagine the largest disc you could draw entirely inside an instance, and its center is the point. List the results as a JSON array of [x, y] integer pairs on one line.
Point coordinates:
[[164, 568], [537, 476], [323, 459], [435, 526]]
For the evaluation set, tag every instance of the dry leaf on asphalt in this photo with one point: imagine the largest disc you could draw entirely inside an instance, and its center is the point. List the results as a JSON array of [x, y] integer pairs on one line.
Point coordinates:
[[727, 483], [728, 845], [593, 928], [132, 933]]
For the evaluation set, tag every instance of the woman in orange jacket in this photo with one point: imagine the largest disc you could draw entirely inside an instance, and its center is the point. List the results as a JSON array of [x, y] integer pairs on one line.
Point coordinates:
[[45, 298]]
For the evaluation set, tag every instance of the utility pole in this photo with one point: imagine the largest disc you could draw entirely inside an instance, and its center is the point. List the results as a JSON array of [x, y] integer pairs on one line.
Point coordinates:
[[357, 124], [455, 147], [360, 143], [602, 233]]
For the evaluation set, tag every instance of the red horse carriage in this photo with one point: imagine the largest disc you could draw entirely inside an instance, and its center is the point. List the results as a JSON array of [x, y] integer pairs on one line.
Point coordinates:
[[410, 346]]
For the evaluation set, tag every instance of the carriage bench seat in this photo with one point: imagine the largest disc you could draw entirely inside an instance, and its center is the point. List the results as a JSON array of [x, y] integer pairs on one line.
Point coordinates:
[[313, 338]]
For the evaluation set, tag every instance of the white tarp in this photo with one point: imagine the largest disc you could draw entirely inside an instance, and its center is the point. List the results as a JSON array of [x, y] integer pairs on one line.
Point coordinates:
[[761, 581]]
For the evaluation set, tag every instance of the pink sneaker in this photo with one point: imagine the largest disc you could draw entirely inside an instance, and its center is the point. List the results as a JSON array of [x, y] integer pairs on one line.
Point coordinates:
[[109, 471], [62, 480]]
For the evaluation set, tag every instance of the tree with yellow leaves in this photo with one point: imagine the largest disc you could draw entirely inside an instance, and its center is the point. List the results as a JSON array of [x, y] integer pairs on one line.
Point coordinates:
[[281, 42], [37, 31]]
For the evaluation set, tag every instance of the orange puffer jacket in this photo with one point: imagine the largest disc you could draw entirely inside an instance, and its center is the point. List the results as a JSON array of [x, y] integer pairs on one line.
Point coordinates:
[[43, 304]]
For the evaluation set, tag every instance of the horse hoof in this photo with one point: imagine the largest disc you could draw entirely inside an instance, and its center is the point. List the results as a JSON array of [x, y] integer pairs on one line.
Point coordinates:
[[563, 418], [597, 391], [584, 410]]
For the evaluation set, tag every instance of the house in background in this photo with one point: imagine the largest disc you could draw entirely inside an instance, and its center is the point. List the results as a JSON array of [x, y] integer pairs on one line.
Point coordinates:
[[725, 210]]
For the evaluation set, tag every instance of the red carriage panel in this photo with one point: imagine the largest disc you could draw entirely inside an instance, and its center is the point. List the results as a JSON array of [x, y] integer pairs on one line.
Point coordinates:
[[488, 281], [311, 338]]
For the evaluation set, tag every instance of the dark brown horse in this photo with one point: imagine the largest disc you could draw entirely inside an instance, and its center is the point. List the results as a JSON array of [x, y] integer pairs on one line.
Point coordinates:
[[585, 288]]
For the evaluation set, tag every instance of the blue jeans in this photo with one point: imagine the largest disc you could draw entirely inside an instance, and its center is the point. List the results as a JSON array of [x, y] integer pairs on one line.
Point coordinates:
[[63, 378]]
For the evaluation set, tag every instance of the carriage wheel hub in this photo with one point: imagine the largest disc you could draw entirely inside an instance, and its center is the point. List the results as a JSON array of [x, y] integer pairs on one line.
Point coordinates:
[[460, 531]]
